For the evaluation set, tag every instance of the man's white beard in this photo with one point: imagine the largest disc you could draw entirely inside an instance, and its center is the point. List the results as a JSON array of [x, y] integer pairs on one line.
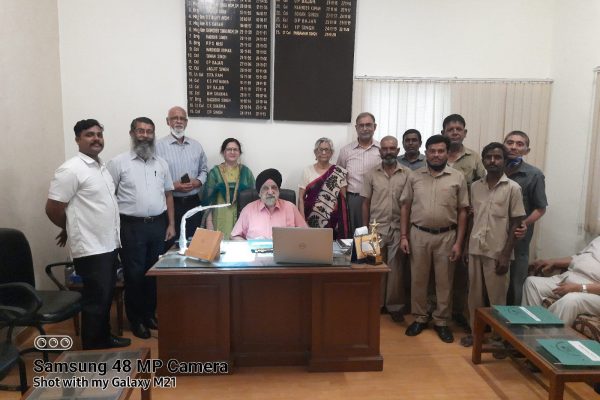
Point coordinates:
[[178, 133], [143, 149], [269, 201]]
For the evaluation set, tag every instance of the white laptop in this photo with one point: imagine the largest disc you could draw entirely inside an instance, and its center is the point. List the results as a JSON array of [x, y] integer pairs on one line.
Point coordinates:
[[303, 245]]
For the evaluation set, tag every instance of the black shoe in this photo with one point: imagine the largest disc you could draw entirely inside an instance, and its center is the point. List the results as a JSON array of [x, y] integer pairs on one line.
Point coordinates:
[[467, 341], [444, 333], [397, 316], [415, 328], [151, 323], [140, 330], [116, 341]]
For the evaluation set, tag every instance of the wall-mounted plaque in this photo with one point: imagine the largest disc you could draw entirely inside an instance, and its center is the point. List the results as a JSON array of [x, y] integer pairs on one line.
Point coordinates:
[[314, 60], [228, 58]]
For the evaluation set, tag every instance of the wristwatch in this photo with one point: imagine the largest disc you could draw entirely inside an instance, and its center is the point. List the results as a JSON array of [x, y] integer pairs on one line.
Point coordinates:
[[584, 288]]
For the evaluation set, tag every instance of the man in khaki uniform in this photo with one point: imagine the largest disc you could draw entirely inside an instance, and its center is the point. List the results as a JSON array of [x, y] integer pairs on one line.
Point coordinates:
[[381, 192], [468, 162], [435, 203], [497, 211]]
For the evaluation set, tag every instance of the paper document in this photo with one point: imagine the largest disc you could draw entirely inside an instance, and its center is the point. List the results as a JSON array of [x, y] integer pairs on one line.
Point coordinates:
[[235, 252]]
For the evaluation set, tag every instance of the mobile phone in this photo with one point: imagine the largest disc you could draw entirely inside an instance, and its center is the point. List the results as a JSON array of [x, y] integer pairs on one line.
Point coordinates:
[[185, 178]]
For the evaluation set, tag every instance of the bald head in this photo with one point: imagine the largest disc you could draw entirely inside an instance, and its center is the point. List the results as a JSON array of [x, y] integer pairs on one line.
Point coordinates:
[[393, 141], [177, 121]]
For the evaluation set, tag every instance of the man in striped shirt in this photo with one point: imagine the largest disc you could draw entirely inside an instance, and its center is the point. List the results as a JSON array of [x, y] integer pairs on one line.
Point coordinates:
[[359, 157], [187, 165]]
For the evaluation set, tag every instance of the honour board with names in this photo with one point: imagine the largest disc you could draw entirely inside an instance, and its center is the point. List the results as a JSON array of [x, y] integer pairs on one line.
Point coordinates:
[[228, 58]]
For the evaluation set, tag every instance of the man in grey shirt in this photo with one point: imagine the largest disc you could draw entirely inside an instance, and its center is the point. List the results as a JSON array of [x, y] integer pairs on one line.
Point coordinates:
[[144, 193], [187, 164], [412, 157]]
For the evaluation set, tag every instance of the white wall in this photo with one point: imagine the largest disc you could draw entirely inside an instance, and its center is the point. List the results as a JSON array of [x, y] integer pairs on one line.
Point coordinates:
[[31, 123], [459, 38], [576, 53]]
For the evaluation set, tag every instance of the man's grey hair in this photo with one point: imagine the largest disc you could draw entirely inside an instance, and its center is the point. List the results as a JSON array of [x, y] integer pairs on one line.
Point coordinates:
[[365, 114], [324, 140]]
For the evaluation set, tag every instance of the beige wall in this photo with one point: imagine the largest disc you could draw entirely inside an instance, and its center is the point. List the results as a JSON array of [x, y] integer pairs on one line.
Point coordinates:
[[31, 123]]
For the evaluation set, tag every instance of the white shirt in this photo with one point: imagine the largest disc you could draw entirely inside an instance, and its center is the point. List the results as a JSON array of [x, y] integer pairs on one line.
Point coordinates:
[[308, 175], [92, 211], [141, 185]]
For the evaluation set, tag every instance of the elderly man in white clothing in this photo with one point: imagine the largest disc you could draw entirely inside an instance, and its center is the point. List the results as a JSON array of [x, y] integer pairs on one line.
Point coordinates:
[[577, 289]]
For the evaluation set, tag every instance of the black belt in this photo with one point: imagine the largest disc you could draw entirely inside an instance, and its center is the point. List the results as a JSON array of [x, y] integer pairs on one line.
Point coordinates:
[[435, 231], [185, 199], [144, 220], [353, 194]]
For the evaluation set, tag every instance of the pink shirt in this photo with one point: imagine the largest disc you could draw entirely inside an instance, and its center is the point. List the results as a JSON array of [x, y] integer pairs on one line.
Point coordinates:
[[358, 161], [255, 220]]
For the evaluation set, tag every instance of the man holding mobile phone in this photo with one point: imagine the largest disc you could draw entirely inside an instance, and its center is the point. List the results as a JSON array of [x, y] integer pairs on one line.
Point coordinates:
[[187, 164]]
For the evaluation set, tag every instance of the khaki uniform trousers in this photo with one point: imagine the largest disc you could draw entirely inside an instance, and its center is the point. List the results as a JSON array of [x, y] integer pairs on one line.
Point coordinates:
[[393, 296], [484, 279], [429, 251]]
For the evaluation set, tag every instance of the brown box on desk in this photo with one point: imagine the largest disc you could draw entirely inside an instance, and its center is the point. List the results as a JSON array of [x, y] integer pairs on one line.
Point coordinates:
[[205, 244]]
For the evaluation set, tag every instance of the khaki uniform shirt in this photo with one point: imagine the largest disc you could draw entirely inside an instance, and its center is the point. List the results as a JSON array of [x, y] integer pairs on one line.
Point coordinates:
[[385, 193], [469, 163], [436, 199], [492, 211]]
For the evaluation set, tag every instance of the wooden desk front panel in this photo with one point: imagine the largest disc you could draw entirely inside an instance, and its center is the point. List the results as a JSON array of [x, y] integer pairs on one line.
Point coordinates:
[[270, 320], [345, 323], [193, 313]]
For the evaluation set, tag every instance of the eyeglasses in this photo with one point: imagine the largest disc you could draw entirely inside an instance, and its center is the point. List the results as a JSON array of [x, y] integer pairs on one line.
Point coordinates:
[[365, 126], [232, 149], [178, 119], [141, 131], [319, 150]]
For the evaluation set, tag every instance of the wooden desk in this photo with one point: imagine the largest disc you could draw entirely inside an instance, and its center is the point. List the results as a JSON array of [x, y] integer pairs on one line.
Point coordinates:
[[325, 317], [524, 339]]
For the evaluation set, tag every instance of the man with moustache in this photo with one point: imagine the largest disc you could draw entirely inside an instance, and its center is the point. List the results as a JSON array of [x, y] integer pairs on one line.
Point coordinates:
[[144, 194], [81, 194], [497, 212], [412, 157], [187, 165], [358, 158], [533, 187], [434, 204], [468, 162], [381, 192], [257, 219]]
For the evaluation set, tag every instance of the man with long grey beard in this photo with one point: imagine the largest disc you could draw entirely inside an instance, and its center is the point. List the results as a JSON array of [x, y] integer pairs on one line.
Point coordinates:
[[144, 191]]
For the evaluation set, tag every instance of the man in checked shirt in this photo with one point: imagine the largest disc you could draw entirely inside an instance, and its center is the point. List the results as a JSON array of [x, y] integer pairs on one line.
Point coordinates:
[[358, 158]]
